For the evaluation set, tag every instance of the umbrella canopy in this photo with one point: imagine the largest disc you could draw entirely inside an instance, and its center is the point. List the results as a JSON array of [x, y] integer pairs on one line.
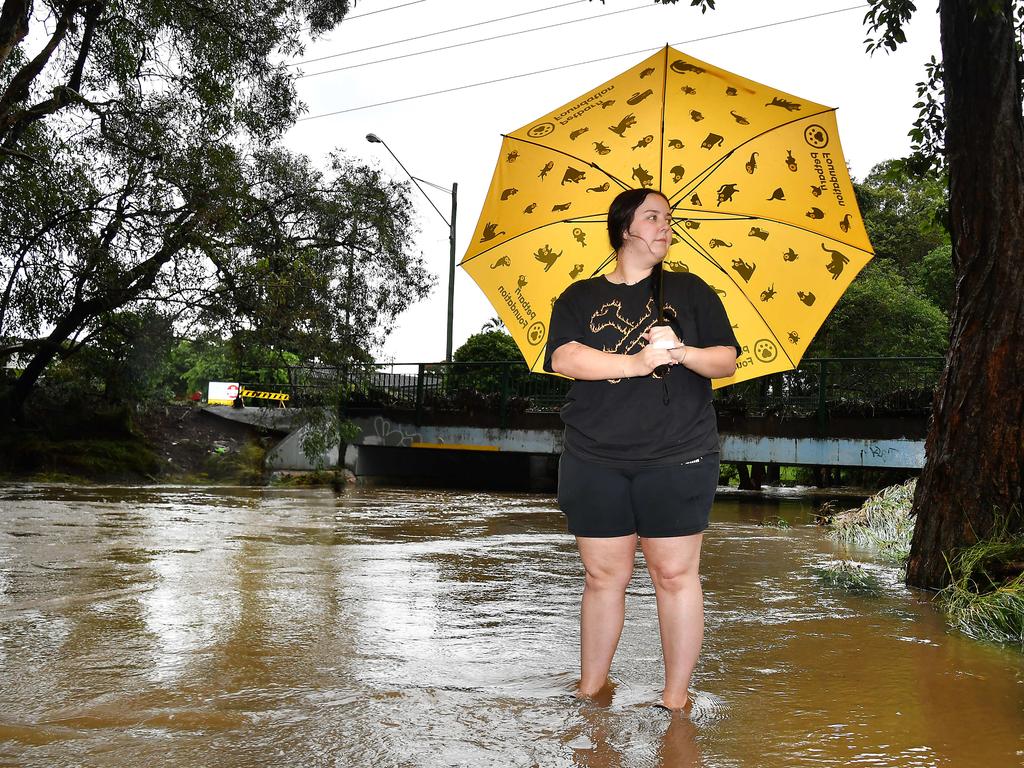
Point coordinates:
[[762, 204]]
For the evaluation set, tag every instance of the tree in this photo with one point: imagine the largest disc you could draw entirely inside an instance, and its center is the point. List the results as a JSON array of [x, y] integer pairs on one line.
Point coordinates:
[[974, 468], [125, 178], [881, 315], [896, 306], [494, 324], [319, 266], [482, 348], [975, 446], [905, 213]]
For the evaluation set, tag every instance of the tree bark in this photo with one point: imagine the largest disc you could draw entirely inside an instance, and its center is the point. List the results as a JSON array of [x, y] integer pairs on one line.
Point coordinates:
[[975, 446], [14, 17]]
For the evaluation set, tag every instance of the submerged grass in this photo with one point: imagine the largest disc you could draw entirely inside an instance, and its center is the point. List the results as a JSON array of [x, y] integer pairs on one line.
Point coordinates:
[[985, 598], [844, 574], [883, 522]]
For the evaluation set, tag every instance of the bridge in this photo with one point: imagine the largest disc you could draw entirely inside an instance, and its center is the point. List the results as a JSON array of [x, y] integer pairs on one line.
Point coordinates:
[[444, 419]]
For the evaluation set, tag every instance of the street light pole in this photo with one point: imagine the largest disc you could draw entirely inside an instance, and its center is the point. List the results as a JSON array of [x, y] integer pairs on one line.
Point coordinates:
[[454, 192]]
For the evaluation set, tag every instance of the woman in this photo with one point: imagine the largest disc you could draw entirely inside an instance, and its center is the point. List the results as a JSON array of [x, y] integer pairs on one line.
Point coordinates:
[[640, 458]]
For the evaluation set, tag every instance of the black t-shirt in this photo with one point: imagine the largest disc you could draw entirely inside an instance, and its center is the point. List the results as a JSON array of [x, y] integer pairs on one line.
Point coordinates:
[[627, 421]]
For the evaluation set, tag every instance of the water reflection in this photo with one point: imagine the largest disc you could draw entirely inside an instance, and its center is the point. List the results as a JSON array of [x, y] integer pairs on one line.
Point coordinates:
[[425, 628]]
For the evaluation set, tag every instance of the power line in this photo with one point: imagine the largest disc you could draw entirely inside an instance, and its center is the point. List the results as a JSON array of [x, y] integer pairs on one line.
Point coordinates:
[[434, 34], [370, 13], [579, 63], [647, 4], [382, 10]]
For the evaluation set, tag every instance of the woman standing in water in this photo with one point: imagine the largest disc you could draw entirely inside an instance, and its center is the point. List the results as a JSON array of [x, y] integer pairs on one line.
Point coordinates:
[[640, 458]]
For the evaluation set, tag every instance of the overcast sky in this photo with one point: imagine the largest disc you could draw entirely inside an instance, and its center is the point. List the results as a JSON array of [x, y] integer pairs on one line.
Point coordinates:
[[455, 136]]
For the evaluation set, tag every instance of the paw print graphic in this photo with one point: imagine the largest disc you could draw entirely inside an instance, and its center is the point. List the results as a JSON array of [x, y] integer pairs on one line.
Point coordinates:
[[535, 333], [765, 350]]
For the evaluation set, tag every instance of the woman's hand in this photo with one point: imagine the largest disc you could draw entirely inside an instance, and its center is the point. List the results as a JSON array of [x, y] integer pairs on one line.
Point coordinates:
[[649, 358], [662, 336]]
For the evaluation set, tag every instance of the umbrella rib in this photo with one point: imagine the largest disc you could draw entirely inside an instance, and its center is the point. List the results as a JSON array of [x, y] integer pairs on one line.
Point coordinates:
[[689, 240], [664, 106], [614, 178], [701, 177]]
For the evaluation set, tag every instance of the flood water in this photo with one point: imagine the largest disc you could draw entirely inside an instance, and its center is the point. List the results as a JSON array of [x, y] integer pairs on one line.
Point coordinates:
[[182, 626]]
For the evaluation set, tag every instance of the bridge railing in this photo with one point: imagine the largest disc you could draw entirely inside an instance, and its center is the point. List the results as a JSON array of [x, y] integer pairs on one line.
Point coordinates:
[[817, 387], [849, 386]]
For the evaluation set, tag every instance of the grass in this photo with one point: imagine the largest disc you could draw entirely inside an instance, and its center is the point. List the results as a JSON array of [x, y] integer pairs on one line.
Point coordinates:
[[883, 522], [985, 598], [85, 459], [244, 467], [843, 574], [313, 478]]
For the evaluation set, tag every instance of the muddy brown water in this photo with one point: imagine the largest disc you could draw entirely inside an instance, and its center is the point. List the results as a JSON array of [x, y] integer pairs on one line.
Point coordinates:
[[177, 626]]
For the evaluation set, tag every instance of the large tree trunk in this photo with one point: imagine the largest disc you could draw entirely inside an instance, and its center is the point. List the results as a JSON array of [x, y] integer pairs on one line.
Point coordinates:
[[975, 445]]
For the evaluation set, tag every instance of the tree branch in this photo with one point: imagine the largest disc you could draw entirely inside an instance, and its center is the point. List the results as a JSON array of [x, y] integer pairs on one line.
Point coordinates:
[[13, 25]]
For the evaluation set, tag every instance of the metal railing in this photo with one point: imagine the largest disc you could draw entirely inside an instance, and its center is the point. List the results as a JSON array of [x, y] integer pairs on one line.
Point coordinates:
[[817, 387]]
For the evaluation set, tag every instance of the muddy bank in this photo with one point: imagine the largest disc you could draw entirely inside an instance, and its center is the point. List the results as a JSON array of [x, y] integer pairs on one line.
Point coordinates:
[[172, 443]]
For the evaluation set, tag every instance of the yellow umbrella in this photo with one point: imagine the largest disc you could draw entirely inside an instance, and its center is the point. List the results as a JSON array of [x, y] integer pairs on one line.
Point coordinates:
[[763, 207]]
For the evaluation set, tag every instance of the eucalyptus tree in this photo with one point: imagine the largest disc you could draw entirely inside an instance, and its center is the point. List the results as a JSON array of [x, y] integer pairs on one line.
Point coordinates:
[[138, 163]]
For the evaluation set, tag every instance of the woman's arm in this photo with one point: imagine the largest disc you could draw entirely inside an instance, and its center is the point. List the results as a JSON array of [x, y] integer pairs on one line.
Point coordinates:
[[588, 364], [709, 362]]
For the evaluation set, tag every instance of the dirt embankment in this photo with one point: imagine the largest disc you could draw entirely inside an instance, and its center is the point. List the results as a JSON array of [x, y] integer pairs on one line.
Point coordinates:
[[172, 443], [193, 444]]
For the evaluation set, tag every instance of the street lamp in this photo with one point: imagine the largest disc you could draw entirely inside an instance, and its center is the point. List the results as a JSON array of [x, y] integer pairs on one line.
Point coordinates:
[[454, 192]]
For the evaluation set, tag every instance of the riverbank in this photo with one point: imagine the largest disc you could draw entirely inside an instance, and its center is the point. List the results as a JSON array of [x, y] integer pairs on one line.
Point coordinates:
[[171, 443]]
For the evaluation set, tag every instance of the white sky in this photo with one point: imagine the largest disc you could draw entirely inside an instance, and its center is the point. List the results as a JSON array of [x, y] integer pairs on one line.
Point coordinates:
[[455, 137]]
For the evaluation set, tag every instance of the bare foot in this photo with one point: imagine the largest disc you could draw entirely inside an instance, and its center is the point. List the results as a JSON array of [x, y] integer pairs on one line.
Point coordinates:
[[672, 706], [602, 697]]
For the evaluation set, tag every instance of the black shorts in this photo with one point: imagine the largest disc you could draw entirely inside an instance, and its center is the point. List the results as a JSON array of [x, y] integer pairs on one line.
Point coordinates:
[[604, 501]]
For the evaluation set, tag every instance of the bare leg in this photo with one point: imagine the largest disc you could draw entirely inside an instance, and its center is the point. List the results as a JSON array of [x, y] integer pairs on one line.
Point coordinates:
[[673, 564], [609, 567]]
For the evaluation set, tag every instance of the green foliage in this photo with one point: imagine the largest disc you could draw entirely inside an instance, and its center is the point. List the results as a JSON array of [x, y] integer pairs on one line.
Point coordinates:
[[898, 304], [91, 459], [323, 429], [881, 315], [321, 262], [129, 358], [928, 133], [115, 191], [905, 213], [886, 18], [728, 475], [935, 280], [243, 467], [202, 360], [487, 347]]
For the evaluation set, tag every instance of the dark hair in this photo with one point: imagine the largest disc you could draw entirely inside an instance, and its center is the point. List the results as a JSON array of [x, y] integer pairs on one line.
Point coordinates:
[[620, 212]]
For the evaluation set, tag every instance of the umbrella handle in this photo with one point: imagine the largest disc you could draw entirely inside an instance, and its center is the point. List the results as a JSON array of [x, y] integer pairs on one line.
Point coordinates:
[[662, 370]]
